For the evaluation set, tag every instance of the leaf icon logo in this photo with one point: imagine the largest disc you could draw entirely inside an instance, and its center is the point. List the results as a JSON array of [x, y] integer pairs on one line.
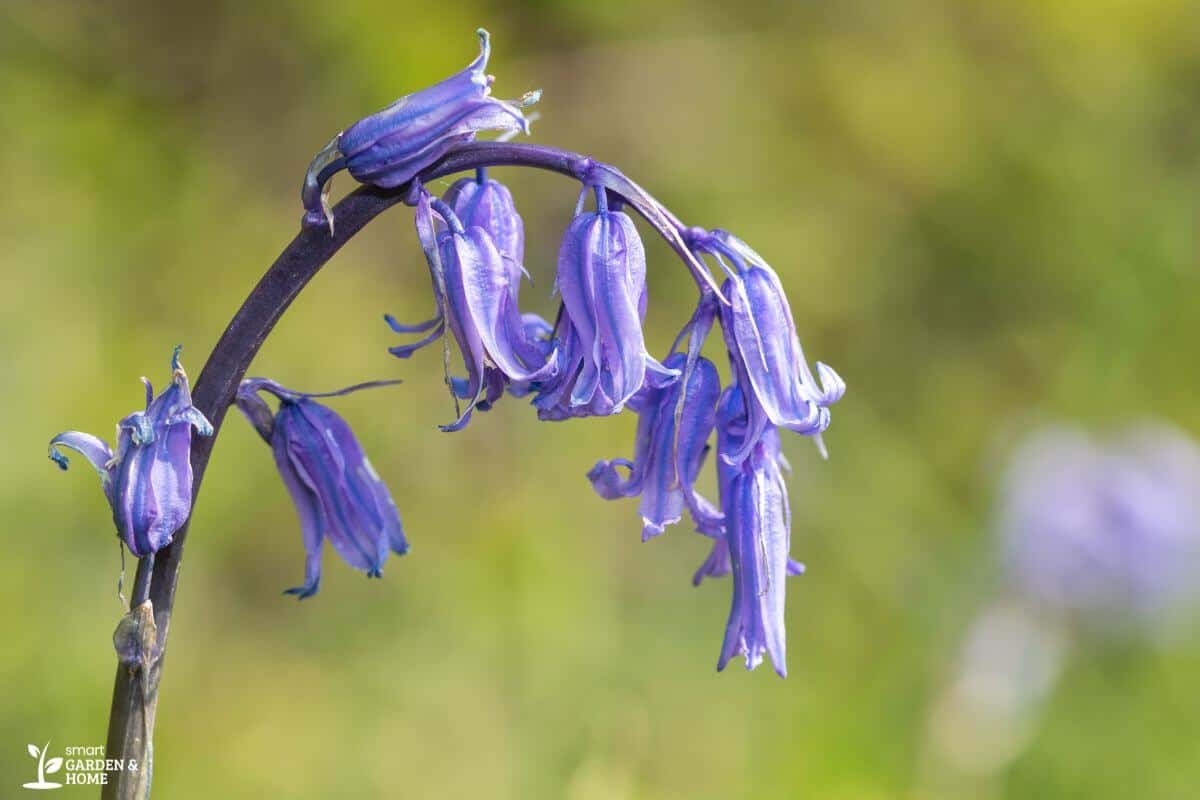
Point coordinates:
[[44, 767]]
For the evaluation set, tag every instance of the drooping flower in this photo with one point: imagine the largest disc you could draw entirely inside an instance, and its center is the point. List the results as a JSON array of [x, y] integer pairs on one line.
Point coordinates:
[[764, 351], [486, 203], [337, 493], [148, 482], [756, 538], [391, 146], [477, 295], [674, 424], [602, 359], [1109, 530]]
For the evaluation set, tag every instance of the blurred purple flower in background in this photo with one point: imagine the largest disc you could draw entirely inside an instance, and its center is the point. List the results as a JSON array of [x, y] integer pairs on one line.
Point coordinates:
[[1104, 532], [1108, 529], [148, 482], [338, 494], [391, 146]]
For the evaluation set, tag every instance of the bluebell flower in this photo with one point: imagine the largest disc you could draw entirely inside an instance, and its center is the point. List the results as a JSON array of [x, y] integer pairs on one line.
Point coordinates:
[[337, 493], [764, 351], [1108, 530], [148, 481], [756, 538], [390, 147], [602, 360], [674, 424], [477, 296], [484, 202]]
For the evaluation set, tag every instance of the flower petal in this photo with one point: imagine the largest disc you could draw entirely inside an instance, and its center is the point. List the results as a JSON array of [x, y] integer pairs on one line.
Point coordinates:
[[94, 449]]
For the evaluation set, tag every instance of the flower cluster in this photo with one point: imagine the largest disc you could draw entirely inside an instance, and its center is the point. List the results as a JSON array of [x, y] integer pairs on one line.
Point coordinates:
[[593, 360]]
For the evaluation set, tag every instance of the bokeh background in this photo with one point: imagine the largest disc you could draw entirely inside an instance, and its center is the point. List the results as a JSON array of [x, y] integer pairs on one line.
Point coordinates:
[[985, 216]]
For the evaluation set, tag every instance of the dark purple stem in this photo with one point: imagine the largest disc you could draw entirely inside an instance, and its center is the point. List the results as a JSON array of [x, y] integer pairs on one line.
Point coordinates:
[[135, 693]]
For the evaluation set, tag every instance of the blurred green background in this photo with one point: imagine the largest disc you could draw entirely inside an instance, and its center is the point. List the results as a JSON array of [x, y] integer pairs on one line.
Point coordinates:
[[984, 214]]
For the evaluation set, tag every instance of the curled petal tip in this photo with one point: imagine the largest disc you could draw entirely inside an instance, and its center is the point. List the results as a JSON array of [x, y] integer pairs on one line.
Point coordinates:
[[193, 416], [832, 385], [302, 592], [458, 424], [651, 529]]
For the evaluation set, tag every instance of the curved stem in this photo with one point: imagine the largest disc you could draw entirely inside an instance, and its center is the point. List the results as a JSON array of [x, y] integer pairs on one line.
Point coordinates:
[[135, 692]]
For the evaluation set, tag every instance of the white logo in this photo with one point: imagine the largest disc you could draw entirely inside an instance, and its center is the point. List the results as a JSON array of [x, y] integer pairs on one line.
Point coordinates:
[[44, 768], [81, 765]]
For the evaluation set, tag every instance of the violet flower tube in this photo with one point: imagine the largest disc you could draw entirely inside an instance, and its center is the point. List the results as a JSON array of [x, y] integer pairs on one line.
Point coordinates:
[[756, 540], [602, 359], [476, 297], [1108, 530], [148, 482], [390, 147], [482, 201], [764, 350], [338, 494], [674, 424]]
